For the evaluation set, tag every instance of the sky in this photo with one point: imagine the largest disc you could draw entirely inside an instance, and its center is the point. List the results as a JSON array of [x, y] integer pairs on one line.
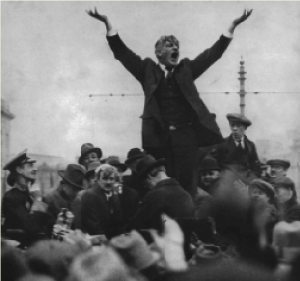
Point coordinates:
[[54, 57]]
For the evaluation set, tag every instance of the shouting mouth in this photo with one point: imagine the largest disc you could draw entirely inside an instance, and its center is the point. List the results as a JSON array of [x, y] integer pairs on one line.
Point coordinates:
[[174, 56]]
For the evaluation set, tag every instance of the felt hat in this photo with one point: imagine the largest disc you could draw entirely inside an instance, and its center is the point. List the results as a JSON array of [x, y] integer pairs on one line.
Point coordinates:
[[134, 154], [115, 161], [208, 164], [134, 250], [87, 148], [284, 163], [73, 175], [238, 118], [18, 160], [264, 186], [146, 164], [208, 253], [286, 240], [91, 168]]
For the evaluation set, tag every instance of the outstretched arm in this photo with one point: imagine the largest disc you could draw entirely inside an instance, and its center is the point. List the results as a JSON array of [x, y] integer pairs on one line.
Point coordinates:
[[239, 20], [101, 18]]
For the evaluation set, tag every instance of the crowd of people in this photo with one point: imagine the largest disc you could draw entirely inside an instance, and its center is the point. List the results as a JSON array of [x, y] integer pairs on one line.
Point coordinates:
[[190, 205]]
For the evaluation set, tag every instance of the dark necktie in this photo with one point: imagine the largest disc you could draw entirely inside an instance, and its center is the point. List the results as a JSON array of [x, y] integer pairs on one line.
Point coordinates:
[[169, 72]]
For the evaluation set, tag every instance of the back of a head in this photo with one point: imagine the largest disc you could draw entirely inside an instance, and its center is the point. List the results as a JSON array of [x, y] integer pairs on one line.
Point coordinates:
[[100, 264]]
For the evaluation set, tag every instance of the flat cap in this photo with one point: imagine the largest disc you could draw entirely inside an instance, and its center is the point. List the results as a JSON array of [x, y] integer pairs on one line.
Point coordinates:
[[17, 160], [284, 163], [236, 117], [264, 186]]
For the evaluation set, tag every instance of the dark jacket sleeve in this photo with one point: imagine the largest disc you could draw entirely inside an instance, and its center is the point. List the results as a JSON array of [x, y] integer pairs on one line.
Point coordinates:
[[293, 213], [132, 62], [203, 61]]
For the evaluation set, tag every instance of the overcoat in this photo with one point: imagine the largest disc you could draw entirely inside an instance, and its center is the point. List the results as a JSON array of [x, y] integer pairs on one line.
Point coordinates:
[[150, 74], [96, 217], [166, 197]]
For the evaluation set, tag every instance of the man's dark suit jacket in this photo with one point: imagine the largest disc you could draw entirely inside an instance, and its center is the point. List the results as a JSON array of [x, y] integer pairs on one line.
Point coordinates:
[[149, 74], [167, 197], [95, 213], [228, 154]]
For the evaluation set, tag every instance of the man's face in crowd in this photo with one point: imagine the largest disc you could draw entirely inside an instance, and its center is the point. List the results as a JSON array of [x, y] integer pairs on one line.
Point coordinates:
[[92, 179], [277, 171], [283, 194], [90, 158], [169, 54], [237, 130], [209, 177], [70, 190], [259, 195], [28, 171], [107, 180]]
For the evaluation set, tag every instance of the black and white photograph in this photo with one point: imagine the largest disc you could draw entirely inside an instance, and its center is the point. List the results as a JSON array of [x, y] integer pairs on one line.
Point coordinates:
[[150, 140]]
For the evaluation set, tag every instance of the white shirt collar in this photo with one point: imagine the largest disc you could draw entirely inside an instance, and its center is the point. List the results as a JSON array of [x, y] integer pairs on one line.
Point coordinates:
[[242, 142]]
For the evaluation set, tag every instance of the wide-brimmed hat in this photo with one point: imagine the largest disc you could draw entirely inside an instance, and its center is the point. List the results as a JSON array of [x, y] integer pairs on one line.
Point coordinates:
[[91, 168], [73, 175], [115, 161], [87, 148], [208, 164], [284, 163], [146, 164], [134, 154], [264, 186], [239, 118], [134, 250], [17, 160]]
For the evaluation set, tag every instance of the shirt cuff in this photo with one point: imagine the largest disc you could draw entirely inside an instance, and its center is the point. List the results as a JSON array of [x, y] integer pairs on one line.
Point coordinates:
[[112, 32], [228, 34]]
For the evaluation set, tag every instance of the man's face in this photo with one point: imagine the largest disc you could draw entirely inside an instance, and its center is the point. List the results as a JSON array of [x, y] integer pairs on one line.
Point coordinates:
[[90, 158], [237, 130], [70, 190], [283, 194], [209, 177], [92, 179], [277, 171], [107, 181], [259, 195], [169, 54], [28, 171]]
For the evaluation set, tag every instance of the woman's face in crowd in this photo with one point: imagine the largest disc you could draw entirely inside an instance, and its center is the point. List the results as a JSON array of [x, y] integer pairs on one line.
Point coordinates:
[[90, 158], [259, 195]]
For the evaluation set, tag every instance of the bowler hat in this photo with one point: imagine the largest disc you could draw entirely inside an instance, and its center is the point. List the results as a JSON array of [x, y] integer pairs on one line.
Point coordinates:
[[134, 250], [115, 161], [239, 118], [134, 154], [146, 164], [284, 163], [87, 148], [264, 186], [208, 164], [73, 175], [17, 160], [91, 168]]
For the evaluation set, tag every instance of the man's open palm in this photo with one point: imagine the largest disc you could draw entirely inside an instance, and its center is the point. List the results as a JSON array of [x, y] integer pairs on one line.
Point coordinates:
[[244, 16]]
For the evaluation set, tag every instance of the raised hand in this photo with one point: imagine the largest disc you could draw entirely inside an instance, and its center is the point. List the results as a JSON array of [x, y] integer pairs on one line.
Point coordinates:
[[242, 18], [97, 16]]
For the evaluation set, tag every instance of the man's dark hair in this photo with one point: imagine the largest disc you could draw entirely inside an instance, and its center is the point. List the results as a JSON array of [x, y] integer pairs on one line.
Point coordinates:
[[162, 40]]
